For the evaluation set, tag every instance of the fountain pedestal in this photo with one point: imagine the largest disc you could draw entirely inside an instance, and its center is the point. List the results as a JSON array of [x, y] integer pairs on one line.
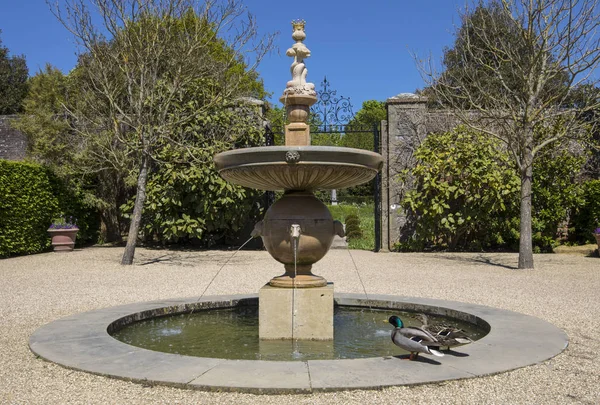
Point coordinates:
[[298, 229], [297, 106], [312, 310]]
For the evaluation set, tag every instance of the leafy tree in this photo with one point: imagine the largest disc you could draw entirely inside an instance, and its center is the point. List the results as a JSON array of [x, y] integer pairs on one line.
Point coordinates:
[[276, 118], [581, 96], [359, 134], [132, 82], [52, 141], [366, 119], [516, 85], [326, 139], [44, 120], [187, 200], [464, 193], [13, 81]]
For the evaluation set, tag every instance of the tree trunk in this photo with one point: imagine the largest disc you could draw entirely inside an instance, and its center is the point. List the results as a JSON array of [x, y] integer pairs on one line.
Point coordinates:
[[110, 190], [525, 241], [136, 219], [110, 230]]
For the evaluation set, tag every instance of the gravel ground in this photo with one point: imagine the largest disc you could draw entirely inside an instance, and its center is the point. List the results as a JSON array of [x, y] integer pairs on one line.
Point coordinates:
[[563, 289]]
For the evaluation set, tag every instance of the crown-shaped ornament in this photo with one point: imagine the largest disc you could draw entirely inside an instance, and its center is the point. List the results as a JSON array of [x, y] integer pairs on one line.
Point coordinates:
[[298, 25], [298, 34]]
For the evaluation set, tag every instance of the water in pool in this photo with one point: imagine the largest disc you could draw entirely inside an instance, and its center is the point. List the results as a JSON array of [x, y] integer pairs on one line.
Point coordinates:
[[232, 333]]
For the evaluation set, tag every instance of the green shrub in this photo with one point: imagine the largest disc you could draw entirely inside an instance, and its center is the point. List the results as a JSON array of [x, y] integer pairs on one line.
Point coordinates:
[[31, 198], [465, 193], [555, 190], [364, 212], [354, 233], [587, 217], [353, 230], [352, 220], [27, 208]]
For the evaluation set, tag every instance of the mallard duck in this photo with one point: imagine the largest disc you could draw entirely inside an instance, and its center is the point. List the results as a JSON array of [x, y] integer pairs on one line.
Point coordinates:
[[413, 340], [447, 335]]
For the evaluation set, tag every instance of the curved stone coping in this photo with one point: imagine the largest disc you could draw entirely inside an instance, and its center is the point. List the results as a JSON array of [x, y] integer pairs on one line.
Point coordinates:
[[82, 342]]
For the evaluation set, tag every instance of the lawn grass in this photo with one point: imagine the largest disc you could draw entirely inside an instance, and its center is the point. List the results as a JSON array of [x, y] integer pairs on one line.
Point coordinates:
[[366, 216]]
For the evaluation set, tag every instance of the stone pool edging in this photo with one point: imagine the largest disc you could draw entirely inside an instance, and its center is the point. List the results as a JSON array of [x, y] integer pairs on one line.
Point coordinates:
[[82, 342]]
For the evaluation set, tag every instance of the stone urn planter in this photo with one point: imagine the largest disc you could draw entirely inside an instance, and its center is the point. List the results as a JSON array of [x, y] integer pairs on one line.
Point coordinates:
[[63, 240], [597, 236]]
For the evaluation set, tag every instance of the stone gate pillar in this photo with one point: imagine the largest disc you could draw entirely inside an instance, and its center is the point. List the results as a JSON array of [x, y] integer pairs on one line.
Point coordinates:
[[401, 135]]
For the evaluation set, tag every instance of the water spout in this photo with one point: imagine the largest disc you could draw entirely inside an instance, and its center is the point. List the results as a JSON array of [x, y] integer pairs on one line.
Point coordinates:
[[295, 232], [338, 229], [258, 230]]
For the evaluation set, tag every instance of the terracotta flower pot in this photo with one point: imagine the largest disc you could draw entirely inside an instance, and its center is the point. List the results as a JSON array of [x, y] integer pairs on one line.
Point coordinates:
[[63, 240]]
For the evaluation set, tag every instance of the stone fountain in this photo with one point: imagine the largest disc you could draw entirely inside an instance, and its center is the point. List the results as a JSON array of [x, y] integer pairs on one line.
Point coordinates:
[[298, 229]]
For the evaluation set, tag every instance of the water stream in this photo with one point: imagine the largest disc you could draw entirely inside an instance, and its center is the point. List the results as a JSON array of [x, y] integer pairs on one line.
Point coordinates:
[[295, 349], [222, 266]]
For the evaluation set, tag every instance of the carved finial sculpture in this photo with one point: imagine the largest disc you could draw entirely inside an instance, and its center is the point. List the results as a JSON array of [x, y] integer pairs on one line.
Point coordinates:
[[299, 52], [298, 95]]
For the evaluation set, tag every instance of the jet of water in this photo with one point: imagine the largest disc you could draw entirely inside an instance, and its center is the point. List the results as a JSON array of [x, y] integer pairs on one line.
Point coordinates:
[[221, 268]]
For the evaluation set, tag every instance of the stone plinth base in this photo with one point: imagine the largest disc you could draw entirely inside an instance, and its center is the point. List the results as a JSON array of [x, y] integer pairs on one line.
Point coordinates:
[[313, 309], [297, 134]]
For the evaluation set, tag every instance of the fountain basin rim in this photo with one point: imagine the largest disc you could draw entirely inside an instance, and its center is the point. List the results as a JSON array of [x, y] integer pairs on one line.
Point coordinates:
[[318, 150], [298, 167], [82, 342], [307, 154]]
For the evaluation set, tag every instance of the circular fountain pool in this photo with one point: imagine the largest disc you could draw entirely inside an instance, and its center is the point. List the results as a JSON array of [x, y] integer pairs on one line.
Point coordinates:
[[232, 333], [84, 342]]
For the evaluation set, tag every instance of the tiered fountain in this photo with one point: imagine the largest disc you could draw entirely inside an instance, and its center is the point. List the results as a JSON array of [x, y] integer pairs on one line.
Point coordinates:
[[298, 229]]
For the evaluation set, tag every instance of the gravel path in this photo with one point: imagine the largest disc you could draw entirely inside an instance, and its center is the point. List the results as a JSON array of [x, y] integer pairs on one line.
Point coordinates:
[[563, 289]]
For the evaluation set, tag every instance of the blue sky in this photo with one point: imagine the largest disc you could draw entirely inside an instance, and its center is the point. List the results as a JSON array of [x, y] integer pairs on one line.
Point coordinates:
[[363, 47]]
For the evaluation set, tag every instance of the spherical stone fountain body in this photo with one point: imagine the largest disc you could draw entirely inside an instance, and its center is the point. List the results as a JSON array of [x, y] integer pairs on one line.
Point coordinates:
[[317, 229]]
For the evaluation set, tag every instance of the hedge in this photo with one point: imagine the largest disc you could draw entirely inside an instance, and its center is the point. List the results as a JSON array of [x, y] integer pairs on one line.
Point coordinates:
[[31, 196]]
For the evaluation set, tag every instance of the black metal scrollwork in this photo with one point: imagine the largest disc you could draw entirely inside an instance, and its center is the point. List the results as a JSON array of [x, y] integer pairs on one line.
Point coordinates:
[[330, 110]]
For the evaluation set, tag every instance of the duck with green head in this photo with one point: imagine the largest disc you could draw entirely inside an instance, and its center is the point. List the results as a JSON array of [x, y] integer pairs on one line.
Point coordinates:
[[413, 340]]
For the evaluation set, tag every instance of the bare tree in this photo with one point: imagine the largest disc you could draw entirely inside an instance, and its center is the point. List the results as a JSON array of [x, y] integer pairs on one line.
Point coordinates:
[[512, 77], [138, 60]]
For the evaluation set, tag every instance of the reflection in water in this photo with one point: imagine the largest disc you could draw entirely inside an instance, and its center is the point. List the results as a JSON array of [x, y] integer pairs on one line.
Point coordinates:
[[232, 333]]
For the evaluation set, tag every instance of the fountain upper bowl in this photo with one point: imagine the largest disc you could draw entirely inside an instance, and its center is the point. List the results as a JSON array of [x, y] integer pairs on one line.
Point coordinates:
[[298, 167]]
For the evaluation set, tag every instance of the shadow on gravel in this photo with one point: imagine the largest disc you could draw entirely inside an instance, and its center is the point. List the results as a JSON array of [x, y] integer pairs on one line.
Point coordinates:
[[163, 258], [477, 259], [193, 259]]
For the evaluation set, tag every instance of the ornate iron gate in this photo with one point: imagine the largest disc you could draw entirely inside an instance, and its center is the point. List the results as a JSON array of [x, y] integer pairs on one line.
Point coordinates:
[[330, 118]]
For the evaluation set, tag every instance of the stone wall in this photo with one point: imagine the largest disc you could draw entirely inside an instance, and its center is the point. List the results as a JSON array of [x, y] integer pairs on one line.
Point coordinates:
[[13, 144], [409, 121]]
